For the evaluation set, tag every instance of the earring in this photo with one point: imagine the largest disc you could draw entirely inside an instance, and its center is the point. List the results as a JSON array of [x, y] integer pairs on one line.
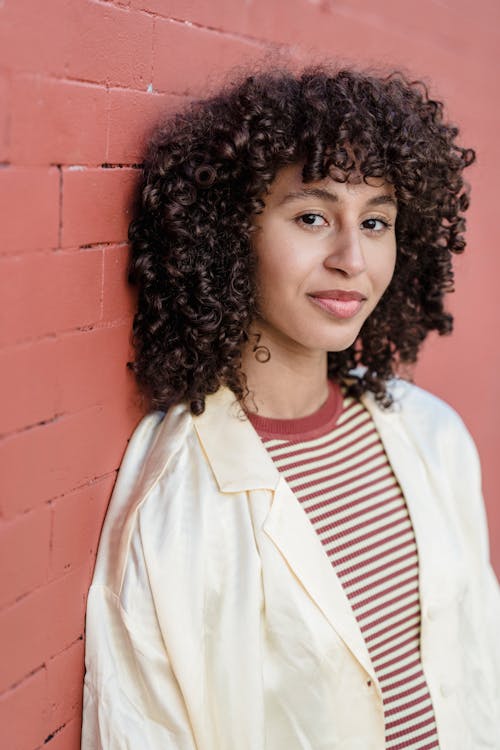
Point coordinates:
[[261, 352]]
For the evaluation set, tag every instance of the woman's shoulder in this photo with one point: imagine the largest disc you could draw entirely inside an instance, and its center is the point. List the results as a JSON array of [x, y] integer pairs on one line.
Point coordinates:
[[417, 405], [424, 418], [154, 448]]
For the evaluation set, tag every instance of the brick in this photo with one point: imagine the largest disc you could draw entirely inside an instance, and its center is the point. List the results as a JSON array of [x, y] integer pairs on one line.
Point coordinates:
[[24, 554], [113, 46], [91, 369], [30, 372], [65, 685], [41, 625], [85, 40], [49, 292], [97, 205], [118, 297], [30, 209], [133, 116], [184, 54], [57, 122], [31, 38], [77, 523], [62, 455], [65, 374], [24, 714]]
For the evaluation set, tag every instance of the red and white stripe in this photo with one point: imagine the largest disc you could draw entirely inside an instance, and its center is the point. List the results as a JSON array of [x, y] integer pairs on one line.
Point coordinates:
[[346, 485]]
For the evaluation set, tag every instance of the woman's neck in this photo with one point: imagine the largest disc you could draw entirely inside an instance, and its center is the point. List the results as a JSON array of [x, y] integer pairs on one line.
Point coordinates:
[[286, 386]]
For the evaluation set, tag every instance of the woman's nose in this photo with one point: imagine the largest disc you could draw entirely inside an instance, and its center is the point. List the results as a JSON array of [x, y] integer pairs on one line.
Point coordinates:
[[346, 253]]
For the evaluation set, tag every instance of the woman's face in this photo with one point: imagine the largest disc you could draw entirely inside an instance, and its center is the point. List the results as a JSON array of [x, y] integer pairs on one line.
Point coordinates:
[[325, 255]]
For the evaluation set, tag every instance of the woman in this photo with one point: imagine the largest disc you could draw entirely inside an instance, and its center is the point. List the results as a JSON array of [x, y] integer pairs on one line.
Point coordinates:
[[295, 555]]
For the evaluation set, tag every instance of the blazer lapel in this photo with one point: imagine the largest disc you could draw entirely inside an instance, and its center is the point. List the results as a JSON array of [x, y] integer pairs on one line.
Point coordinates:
[[440, 563], [290, 530]]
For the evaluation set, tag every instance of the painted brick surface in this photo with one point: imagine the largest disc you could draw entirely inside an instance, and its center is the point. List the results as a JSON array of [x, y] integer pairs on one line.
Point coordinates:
[[57, 122], [96, 205], [36, 288], [41, 625], [82, 85], [64, 696], [22, 572], [183, 55], [63, 374], [18, 703], [76, 524], [84, 40], [30, 208], [132, 118], [65, 453]]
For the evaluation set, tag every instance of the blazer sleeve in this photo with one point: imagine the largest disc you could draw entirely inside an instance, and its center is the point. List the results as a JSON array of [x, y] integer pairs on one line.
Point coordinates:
[[131, 696], [469, 490]]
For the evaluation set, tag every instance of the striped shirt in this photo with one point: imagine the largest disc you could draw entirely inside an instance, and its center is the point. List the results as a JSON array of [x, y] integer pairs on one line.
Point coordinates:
[[335, 463]]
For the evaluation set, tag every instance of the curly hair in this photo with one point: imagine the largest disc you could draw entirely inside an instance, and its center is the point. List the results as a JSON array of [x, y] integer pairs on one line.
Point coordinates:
[[205, 178]]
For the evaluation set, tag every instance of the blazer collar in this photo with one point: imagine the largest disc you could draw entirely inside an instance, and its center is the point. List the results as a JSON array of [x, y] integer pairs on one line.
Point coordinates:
[[246, 465]]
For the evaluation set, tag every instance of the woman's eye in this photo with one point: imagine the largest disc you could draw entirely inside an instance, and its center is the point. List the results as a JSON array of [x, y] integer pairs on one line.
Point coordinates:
[[312, 220], [376, 225]]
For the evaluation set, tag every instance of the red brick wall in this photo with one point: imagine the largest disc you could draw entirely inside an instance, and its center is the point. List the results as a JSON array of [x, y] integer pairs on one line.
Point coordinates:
[[81, 84]]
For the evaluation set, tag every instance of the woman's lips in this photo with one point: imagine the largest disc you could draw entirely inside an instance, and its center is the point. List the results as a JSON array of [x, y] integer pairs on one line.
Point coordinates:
[[339, 303]]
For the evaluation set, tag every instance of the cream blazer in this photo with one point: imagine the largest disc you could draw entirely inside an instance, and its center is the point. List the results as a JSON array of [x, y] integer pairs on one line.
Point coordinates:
[[215, 620]]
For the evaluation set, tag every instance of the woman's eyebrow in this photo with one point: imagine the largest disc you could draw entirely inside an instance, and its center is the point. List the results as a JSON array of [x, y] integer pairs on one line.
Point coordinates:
[[379, 200], [322, 194]]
